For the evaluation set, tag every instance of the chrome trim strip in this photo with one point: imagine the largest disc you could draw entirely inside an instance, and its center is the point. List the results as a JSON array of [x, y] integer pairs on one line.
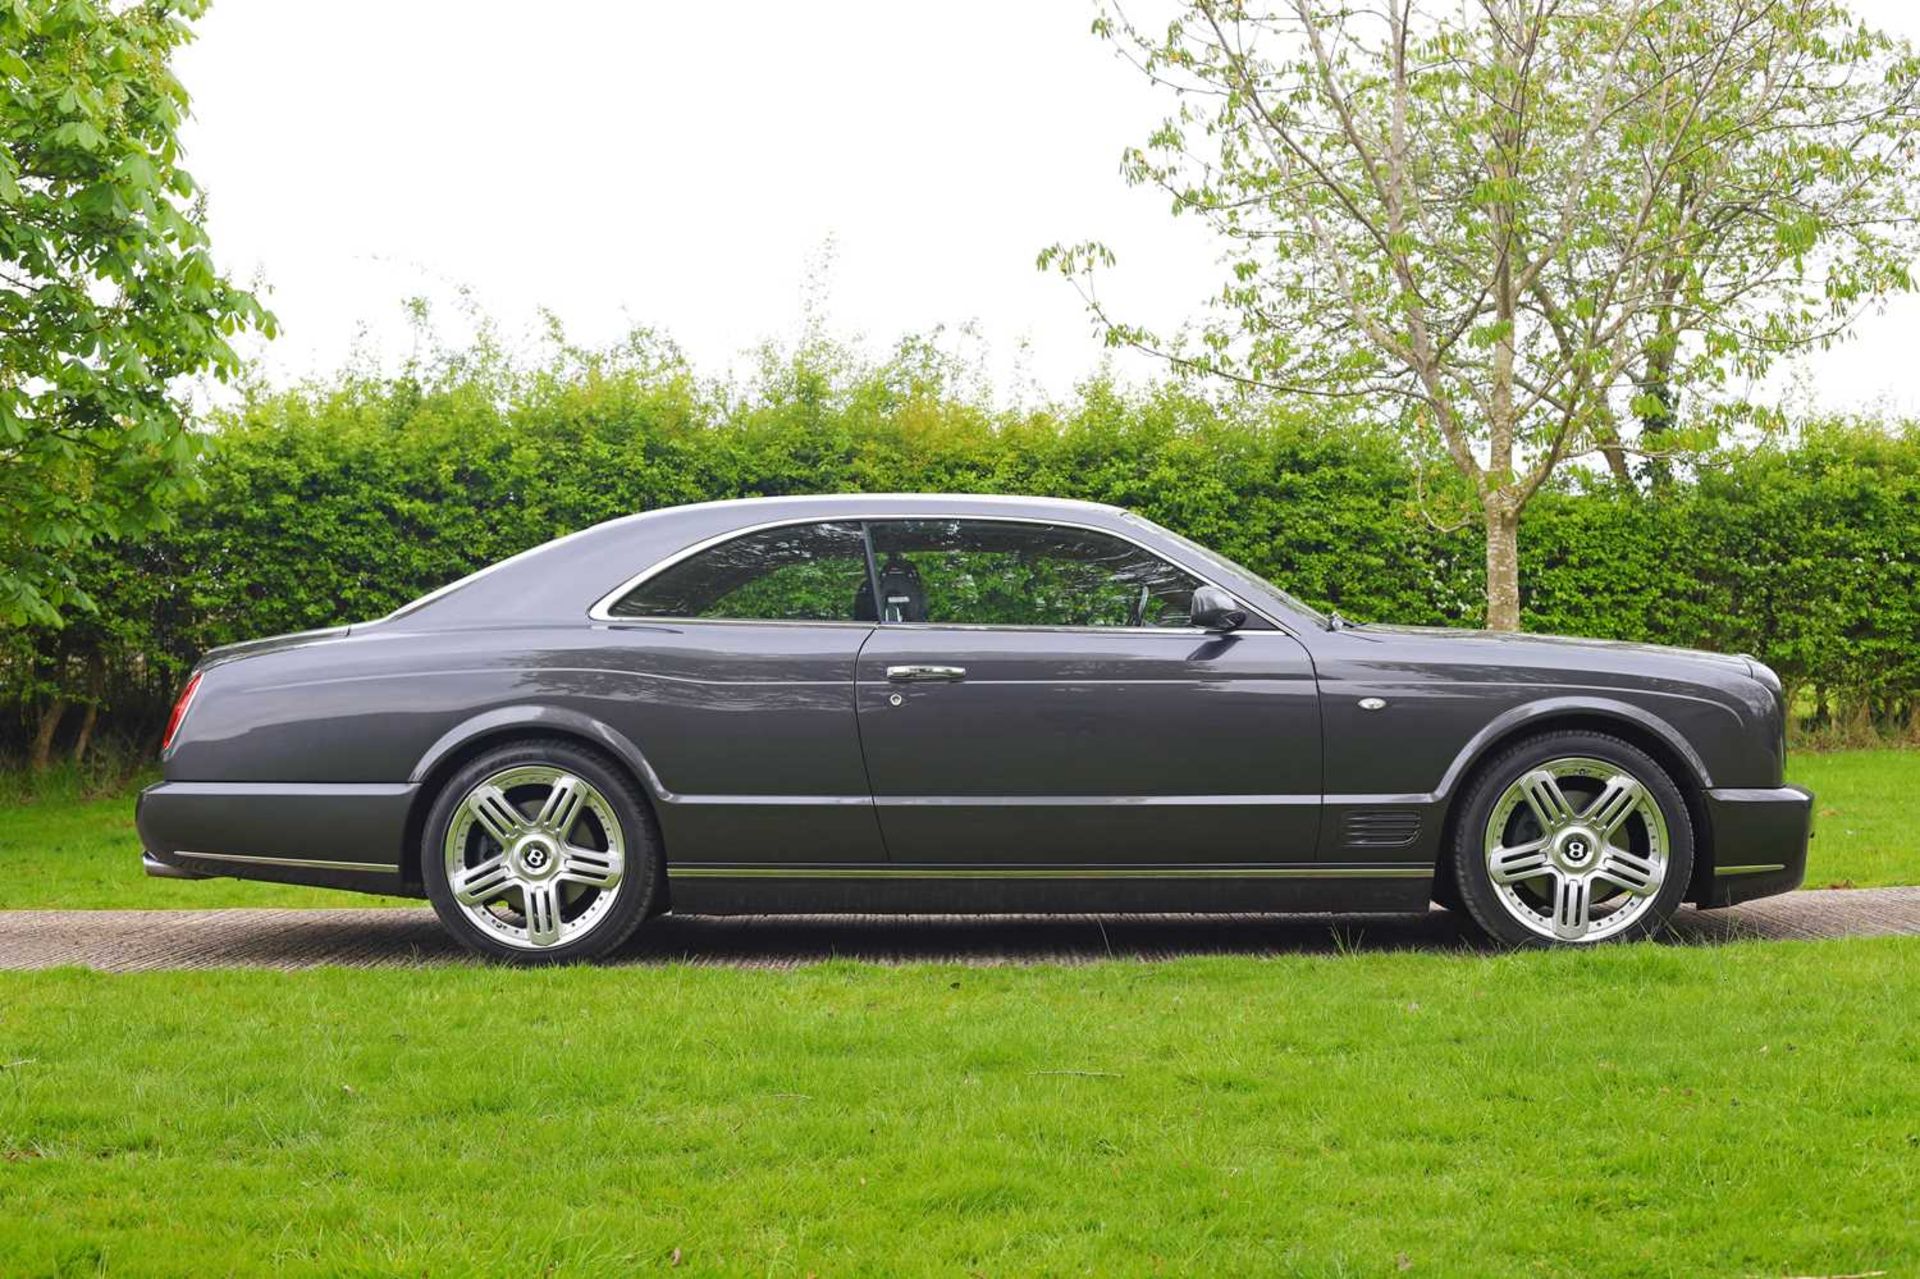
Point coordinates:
[[1378, 801], [313, 863], [996, 801], [281, 790], [1050, 872], [1760, 795], [772, 801], [1092, 801], [1749, 870], [600, 610]]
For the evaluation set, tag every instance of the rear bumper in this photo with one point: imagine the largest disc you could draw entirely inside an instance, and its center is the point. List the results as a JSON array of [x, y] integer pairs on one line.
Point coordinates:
[[165, 870], [1759, 842], [334, 836]]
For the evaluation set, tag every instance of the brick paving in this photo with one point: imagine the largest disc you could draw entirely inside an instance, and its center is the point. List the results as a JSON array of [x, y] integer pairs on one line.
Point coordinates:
[[138, 940]]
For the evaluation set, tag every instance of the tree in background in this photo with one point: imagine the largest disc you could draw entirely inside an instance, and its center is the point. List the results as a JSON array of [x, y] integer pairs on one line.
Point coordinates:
[[108, 298], [1526, 225]]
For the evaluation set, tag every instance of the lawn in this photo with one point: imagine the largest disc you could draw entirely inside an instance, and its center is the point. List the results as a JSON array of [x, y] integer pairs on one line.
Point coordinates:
[[1749, 1109], [1866, 817], [78, 853]]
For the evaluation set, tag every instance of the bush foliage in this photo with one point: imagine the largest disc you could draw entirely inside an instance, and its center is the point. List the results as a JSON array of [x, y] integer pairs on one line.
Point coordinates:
[[336, 502]]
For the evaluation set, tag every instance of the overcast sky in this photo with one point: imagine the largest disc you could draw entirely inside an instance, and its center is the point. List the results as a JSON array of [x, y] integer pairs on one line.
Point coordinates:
[[686, 166]]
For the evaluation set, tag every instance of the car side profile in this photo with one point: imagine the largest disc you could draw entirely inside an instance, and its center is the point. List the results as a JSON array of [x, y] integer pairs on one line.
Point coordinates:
[[928, 703]]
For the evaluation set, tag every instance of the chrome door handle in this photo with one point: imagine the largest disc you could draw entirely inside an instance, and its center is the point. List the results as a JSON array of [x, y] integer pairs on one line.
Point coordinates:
[[924, 674]]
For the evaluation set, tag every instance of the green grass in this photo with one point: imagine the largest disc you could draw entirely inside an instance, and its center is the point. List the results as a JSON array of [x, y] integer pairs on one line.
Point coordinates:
[[1866, 817], [1752, 1109], [65, 851]]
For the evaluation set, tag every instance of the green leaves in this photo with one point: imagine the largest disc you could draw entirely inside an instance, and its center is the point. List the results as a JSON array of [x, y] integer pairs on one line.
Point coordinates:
[[108, 301], [337, 501], [1526, 232]]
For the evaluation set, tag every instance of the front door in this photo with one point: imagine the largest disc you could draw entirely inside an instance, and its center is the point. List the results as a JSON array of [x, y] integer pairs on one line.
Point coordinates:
[[1035, 698]]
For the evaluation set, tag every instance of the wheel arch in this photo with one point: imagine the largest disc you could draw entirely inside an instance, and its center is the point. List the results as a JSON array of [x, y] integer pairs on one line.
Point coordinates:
[[1630, 723], [506, 724]]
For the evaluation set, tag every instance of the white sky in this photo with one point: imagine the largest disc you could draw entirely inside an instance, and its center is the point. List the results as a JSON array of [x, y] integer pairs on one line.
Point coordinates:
[[686, 165]]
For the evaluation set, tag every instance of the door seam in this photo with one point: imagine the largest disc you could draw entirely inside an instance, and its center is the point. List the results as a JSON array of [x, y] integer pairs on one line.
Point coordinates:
[[859, 732]]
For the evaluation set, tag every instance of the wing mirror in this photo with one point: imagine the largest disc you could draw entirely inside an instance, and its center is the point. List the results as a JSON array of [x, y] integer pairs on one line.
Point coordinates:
[[1215, 610]]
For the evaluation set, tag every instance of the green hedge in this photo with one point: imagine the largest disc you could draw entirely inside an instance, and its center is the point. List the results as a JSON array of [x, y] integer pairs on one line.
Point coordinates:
[[336, 503]]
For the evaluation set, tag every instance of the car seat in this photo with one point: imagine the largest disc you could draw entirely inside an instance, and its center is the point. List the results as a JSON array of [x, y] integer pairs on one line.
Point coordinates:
[[904, 594]]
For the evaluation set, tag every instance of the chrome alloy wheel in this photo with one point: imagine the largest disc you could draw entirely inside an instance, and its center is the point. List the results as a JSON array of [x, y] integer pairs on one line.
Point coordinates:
[[1576, 849], [534, 855]]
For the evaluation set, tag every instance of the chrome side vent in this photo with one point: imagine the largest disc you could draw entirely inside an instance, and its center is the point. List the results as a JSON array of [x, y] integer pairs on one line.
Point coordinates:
[[1380, 828]]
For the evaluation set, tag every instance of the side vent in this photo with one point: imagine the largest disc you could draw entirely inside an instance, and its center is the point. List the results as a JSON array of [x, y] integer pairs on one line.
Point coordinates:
[[1380, 828]]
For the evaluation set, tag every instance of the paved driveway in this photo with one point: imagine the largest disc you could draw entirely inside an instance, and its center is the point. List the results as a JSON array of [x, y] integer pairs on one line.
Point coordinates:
[[133, 940]]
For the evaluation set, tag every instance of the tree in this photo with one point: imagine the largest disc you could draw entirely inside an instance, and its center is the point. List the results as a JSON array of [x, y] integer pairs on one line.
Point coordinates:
[[1526, 225], [108, 297]]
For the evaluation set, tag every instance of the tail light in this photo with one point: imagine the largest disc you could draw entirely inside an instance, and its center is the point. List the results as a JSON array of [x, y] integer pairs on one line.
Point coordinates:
[[180, 711]]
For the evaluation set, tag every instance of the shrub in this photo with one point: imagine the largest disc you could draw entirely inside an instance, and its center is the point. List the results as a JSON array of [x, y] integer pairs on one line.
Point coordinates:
[[337, 502]]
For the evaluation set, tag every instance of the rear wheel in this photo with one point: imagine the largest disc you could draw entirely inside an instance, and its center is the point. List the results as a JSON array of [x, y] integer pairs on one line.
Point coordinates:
[[1572, 838], [540, 852]]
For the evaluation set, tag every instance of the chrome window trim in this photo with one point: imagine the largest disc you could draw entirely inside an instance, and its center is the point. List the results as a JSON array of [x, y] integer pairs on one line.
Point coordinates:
[[1188, 633], [602, 608], [1184, 632], [656, 620]]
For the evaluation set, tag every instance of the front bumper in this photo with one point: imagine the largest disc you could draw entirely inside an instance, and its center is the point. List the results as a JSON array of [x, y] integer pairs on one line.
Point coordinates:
[[1759, 843]]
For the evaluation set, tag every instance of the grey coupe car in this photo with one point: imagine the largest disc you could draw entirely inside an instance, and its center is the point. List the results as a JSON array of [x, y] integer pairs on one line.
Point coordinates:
[[961, 704]]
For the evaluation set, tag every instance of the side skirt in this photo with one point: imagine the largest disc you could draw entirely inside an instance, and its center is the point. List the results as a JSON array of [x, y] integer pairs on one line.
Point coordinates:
[[806, 890]]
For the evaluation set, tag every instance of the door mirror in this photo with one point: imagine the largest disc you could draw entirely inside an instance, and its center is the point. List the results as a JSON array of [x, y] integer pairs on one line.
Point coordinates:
[[1215, 610]]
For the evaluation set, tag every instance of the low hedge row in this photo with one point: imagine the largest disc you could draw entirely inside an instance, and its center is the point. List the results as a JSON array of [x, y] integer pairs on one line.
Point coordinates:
[[338, 502]]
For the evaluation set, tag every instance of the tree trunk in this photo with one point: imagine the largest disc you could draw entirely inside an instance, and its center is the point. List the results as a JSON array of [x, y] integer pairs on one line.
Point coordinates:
[[1614, 450], [85, 738], [43, 735], [1503, 567]]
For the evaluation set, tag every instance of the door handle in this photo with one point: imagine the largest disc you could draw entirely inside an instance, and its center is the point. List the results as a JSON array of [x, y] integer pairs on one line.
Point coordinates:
[[924, 674]]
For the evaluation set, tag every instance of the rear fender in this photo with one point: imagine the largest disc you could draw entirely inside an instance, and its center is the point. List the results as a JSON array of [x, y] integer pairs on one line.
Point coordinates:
[[505, 722]]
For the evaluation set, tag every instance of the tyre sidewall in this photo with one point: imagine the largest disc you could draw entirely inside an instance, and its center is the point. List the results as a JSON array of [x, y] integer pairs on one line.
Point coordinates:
[[1473, 882], [633, 896]]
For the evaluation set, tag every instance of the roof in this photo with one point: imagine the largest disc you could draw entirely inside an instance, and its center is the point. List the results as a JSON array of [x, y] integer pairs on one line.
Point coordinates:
[[552, 579], [808, 504]]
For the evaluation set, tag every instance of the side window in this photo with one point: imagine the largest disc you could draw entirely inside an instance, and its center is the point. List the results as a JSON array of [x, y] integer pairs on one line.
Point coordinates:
[[798, 573], [988, 573]]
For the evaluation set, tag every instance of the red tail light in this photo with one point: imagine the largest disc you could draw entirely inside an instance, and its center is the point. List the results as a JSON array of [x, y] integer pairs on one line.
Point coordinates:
[[180, 711]]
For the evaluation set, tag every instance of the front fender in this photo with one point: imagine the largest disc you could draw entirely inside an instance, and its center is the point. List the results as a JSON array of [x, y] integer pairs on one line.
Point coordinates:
[[1547, 709]]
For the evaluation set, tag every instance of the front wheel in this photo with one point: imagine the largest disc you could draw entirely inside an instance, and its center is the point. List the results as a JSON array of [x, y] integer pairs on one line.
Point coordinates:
[[540, 852], [1572, 838]]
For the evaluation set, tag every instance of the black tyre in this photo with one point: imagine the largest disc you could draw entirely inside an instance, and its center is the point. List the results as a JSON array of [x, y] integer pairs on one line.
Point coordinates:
[[540, 852], [1571, 838]]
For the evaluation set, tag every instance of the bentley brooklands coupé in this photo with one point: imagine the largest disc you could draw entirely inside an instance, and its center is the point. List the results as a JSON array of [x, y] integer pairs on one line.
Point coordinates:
[[961, 704]]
